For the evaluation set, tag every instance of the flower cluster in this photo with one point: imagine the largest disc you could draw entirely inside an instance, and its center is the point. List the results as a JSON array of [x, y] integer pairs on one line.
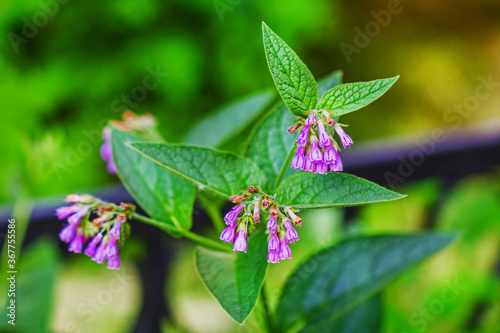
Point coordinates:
[[317, 151], [141, 125], [106, 231], [242, 219]]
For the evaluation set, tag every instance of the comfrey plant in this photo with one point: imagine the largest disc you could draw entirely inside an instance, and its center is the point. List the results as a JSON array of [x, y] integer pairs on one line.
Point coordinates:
[[278, 172]]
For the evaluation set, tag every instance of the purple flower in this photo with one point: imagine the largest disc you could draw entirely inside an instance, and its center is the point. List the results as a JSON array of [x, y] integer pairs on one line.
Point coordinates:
[[324, 138], [114, 262], [273, 257], [329, 154], [322, 168], [285, 251], [310, 165], [272, 224], [256, 212], [92, 244], [346, 139], [68, 232], [65, 211], [274, 243], [291, 235], [227, 234], [315, 152], [240, 243], [311, 120], [106, 151], [231, 217], [299, 160], [303, 136], [100, 255], [114, 232], [111, 167], [76, 217], [111, 249], [76, 244], [337, 164]]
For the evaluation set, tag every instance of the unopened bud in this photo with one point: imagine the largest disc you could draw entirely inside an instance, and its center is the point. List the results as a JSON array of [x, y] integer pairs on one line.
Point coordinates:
[[274, 212], [238, 198], [294, 128], [265, 203], [253, 189], [296, 220], [329, 119]]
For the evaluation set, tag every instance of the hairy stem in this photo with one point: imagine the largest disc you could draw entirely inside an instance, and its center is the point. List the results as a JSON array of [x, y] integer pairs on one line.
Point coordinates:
[[267, 313], [207, 242]]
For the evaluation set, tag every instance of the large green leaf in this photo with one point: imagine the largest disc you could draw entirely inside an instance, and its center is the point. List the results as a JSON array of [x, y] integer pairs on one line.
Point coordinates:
[[308, 190], [294, 81], [164, 196], [270, 145], [235, 279], [350, 97], [337, 279], [222, 172], [34, 289], [224, 123], [366, 318]]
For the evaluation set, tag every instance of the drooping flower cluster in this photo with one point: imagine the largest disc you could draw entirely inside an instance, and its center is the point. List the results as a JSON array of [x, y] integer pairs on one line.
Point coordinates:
[[317, 151], [106, 231], [242, 220], [141, 125]]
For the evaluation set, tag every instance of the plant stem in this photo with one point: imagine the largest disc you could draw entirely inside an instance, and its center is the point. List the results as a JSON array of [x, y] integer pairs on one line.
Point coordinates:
[[214, 214], [207, 242], [267, 313]]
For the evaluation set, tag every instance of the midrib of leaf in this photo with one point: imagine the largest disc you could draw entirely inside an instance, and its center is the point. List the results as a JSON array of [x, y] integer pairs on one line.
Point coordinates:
[[151, 190]]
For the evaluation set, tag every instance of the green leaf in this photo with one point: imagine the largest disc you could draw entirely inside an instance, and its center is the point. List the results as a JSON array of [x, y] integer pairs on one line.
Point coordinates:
[[222, 172], [235, 279], [308, 190], [270, 145], [222, 124], [164, 196], [366, 318], [34, 297], [350, 97], [337, 279], [294, 81]]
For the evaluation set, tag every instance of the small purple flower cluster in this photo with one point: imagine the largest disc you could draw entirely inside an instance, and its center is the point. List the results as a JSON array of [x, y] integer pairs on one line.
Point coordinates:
[[317, 151], [246, 214], [140, 125], [107, 152], [105, 230]]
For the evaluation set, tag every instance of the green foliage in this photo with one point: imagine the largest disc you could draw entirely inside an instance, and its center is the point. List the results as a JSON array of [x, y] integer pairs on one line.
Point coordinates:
[[161, 194], [366, 318], [294, 81], [235, 279], [222, 172], [307, 190], [340, 278], [350, 97]]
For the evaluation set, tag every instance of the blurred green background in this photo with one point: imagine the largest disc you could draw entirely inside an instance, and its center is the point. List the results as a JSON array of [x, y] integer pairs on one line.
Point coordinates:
[[67, 76]]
